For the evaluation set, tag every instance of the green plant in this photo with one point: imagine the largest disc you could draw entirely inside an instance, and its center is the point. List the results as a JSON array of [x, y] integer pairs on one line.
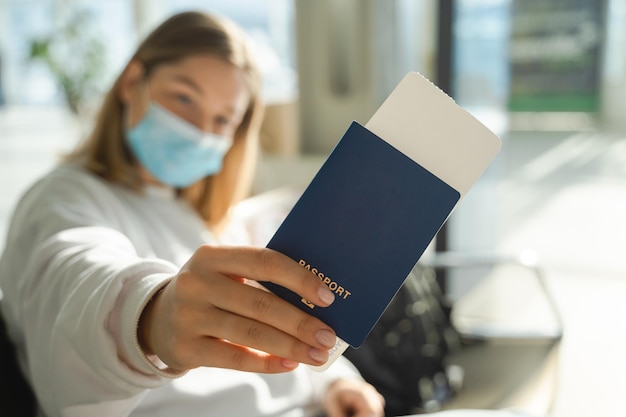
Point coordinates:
[[75, 55]]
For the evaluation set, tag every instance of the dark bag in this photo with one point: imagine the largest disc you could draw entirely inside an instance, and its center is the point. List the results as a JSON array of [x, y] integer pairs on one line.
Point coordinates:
[[404, 356]]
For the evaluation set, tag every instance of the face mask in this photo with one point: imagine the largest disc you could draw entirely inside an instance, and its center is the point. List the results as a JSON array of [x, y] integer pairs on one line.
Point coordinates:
[[176, 152]]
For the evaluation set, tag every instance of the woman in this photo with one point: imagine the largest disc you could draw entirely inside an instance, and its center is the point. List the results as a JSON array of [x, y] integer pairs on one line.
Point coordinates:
[[126, 289]]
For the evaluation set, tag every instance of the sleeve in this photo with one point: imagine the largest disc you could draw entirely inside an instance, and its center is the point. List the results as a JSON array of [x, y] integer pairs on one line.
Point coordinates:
[[73, 291]]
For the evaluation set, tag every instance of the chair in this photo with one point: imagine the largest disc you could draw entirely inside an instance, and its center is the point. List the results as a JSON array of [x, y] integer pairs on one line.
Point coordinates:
[[16, 397], [511, 361]]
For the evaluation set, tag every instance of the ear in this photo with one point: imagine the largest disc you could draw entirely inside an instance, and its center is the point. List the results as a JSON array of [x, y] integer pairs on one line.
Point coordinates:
[[131, 78]]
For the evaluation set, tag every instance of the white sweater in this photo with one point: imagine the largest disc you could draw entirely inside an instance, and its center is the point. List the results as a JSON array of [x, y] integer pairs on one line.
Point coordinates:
[[81, 260]]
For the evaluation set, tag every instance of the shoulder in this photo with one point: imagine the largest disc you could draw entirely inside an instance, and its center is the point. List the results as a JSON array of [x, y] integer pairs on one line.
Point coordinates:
[[69, 195], [71, 178], [68, 183]]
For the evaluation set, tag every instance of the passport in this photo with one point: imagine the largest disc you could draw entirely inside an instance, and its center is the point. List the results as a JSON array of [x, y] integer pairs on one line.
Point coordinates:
[[378, 201], [360, 226]]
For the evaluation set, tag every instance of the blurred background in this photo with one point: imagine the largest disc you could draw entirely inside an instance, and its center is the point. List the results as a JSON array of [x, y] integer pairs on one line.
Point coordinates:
[[549, 77]]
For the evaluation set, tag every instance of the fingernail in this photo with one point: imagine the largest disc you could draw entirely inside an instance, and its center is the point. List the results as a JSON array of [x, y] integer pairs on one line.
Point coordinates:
[[290, 364], [318, 355], [326, 295], [326, 338]]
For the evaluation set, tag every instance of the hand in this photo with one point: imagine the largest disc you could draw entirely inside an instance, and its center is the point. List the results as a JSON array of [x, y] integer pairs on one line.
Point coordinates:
[[208, 316], [354, 398]]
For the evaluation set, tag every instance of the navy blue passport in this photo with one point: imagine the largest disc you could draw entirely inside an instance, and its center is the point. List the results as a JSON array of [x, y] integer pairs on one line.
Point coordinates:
[[361, 226]]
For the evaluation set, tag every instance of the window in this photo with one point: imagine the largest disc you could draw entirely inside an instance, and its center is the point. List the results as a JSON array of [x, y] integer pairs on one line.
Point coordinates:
[[118, 25]]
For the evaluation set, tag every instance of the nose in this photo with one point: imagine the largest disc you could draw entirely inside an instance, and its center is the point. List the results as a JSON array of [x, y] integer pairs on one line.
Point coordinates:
[[207, 126], [212, 125]]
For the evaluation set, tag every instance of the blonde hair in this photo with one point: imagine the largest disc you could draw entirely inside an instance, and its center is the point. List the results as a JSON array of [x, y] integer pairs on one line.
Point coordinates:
[[105, 152]]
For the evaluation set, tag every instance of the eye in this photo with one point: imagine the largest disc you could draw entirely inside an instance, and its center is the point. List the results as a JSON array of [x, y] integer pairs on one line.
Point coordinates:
[[222, 121], [183, 99]]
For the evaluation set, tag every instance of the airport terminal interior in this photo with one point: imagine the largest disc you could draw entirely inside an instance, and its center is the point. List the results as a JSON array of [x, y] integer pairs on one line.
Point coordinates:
[[547, 216]]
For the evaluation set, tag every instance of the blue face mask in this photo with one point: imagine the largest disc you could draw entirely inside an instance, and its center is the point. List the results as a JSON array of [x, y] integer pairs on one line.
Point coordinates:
[[176, 152]]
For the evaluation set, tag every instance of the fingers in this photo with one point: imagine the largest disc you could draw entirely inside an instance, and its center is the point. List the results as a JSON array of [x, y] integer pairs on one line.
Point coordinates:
[[186, 334], [224, 354], [352, 397], [261, 264], [310, 345], [264, 307]]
